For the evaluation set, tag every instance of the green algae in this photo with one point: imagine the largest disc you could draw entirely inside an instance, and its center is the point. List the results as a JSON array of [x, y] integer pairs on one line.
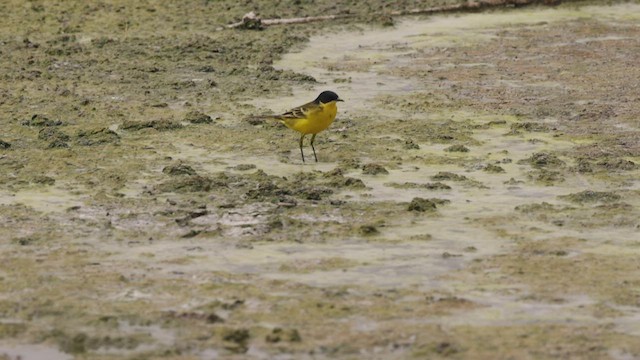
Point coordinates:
[[590, 196], [446, 175], [38, 120], [427, 186], [97, 136], [543, 160], [326, 264], [421, 205], [179, 169], [374, 169], [52, 134], [197, 117], [493, 169], [529, 127], [457, 148], [116, 210]]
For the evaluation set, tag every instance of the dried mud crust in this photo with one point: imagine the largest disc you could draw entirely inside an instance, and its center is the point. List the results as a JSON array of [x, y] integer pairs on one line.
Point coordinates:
[[139, 252]]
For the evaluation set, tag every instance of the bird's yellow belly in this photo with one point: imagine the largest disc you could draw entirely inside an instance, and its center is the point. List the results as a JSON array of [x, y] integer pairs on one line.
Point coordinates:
[[315, 122]]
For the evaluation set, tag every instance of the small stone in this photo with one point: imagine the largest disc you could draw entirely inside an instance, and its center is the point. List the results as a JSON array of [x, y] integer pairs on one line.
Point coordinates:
[[251, 21]]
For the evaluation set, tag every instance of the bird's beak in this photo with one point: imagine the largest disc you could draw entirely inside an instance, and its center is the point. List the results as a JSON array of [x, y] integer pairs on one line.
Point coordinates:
[[340, 100]]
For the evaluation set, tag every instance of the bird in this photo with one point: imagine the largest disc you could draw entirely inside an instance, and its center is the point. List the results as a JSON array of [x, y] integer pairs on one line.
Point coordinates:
[[310, 118]]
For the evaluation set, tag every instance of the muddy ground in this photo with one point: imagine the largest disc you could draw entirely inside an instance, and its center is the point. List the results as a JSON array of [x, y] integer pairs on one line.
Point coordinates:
[[477, 197]]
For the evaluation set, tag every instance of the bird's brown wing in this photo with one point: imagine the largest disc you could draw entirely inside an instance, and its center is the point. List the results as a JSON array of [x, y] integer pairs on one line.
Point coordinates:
[[290, 116], [299, 112]]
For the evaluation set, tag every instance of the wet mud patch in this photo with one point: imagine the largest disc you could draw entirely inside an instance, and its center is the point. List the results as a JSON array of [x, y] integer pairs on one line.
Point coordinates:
[[537, 261], [98, 136], [185, 232], [160, 125]]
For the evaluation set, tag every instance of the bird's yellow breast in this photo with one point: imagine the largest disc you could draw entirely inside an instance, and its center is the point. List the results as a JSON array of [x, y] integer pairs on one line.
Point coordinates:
[[315, 120]]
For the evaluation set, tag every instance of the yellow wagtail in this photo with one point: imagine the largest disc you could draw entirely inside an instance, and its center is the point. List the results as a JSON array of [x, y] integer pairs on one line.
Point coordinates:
[[310, 118]]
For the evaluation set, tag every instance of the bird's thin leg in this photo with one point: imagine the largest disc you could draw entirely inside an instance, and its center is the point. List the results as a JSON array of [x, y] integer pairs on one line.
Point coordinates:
[[313, 137], [302, 152]]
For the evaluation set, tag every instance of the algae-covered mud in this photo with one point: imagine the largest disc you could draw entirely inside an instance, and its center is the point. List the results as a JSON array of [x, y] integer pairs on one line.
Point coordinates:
[[477, 196]]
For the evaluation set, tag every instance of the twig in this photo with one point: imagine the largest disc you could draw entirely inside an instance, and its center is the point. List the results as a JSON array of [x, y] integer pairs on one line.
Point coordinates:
[[252, 21], [473, 5]]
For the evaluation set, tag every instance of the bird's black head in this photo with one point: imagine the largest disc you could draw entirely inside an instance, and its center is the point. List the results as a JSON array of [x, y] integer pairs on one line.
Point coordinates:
[[326, 97]]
